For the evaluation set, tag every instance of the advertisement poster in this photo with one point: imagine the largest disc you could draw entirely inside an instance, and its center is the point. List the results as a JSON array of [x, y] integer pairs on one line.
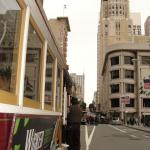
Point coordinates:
[[146, 84], [32, 132], [5, 128]]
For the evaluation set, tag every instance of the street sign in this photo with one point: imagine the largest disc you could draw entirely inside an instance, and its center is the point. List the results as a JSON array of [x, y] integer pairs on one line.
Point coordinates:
[[146, 84], [125, 99]]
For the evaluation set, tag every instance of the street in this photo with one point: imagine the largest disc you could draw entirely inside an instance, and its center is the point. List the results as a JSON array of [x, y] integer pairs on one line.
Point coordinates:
[[109, 137]]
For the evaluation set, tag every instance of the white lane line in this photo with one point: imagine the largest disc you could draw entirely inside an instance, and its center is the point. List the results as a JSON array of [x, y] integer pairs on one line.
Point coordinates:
[[133, 136], [148, 137], [91, 135], [132, 130], [88, 139], [117, 129], [86, 135]]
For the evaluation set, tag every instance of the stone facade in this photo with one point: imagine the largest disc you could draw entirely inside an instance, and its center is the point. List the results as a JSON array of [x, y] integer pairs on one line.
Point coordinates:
[[122, 65]]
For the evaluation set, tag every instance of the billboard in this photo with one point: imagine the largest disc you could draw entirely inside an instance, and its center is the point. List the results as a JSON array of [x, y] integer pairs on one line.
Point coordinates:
[[146, 84], [5, 128], [32, 132]]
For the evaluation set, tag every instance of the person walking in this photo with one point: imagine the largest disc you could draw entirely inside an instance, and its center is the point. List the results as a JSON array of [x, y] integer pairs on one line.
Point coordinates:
[[73, 125]]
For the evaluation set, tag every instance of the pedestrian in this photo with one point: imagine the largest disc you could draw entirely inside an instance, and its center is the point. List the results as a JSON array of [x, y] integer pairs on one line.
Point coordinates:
[[73, 125], [128, 121], [137, 121]]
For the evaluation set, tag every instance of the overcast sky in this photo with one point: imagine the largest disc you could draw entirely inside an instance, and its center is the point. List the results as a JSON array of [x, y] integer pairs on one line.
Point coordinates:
[[82, 40]]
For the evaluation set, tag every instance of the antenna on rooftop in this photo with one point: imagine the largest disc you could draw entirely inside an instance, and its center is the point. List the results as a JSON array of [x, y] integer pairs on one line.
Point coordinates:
[[65, 6]]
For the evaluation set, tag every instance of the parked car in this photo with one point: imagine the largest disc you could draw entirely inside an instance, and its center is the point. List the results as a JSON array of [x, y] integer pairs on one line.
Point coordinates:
[[104, 120], [116, 121]]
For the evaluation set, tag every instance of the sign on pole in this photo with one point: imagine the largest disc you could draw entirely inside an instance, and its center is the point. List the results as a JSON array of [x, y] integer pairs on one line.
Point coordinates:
[[146, 84], [125, 100]]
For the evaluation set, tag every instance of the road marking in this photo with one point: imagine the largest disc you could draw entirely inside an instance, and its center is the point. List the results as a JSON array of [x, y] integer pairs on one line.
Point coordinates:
[[148, 137], [88, 139], [133, 136], [124, 129], [117, 128], [132, 130]]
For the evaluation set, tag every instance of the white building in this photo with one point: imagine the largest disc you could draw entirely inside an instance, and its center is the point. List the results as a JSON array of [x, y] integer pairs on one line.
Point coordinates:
[[136, 23], [118, 44], [79, 82], [147, 26]]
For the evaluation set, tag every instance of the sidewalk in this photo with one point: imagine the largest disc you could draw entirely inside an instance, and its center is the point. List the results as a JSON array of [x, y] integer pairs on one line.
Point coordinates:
[[140, 127]]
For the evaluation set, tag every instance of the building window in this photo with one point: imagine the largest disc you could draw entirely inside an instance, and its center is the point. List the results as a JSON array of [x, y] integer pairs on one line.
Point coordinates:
[[115, 88], [115, 74], [115, 102], [115, 60], [129, 74], [48, 86], [146, 102], [49, 79], [131, 104], [129, 88], [10, 24], [32, 70], [48, 72], [146, 60], [128, 60]]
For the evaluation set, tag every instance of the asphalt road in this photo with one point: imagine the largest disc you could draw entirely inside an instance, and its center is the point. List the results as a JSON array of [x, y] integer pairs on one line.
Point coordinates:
[[108, 137]]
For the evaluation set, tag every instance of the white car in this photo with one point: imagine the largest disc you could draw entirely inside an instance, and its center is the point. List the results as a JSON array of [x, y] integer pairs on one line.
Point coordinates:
[[116, 121]]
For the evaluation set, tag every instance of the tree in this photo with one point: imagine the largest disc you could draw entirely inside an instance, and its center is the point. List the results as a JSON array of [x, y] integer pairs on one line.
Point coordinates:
[[83, 105]]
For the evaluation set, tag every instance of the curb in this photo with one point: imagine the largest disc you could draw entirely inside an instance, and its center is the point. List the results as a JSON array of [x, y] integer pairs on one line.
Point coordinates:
[[144, 130]]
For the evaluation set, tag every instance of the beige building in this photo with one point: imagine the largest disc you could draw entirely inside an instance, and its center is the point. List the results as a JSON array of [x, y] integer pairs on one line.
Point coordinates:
[[60, 27], [79, 84], [123, 61], [136, 23], [147, 26]]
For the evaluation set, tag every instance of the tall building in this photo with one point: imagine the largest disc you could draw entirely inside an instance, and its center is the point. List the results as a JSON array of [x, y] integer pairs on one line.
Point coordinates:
[[79, 83], [147, 26], [122, 61], [60, 27], [136, 23]]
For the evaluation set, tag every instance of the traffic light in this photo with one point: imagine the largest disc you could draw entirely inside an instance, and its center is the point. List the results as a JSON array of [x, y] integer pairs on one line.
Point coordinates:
[[141, 91]]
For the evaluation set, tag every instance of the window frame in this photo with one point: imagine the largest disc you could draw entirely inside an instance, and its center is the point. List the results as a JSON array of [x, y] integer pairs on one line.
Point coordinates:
[[129, 88], [118, 77], [36, 103], [131, 104], [118, 103], [46, 106], [127, 77], [58, 106], [116, 90], [112, 61], [6, 96], [131, 62], [144, 60], [148, 104]]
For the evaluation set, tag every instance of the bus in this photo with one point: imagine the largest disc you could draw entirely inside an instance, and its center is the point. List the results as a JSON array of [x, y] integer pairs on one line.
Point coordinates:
[[34, 78]]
